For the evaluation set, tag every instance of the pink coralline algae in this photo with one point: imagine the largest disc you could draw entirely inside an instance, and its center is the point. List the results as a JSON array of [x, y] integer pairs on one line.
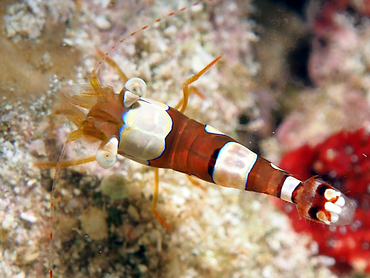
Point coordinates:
[[344, 161]]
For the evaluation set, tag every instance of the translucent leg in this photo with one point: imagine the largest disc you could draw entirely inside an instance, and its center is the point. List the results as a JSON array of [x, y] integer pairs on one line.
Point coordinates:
[[155, 201], [66, 163], [196, 183], [95, 83], [73, 136], [192, 90], [115, 66], [185, 85]]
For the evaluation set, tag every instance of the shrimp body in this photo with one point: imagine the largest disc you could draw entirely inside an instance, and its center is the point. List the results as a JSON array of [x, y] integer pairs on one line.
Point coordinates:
[[157, 135]]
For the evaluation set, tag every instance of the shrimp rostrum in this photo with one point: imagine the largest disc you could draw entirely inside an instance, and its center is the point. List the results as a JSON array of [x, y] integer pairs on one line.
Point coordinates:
[[160, 136]]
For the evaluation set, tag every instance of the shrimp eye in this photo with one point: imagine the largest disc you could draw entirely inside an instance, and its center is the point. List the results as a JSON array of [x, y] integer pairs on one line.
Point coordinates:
[[107, 155], [105, 159], [136, 86]]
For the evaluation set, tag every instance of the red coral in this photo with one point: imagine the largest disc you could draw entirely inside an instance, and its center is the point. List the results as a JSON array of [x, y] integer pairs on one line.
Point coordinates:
[[344, 161], [325, 15]]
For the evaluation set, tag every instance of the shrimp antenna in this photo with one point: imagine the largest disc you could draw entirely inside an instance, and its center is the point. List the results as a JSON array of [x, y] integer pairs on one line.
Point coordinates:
[[52, 199], [106, 54]]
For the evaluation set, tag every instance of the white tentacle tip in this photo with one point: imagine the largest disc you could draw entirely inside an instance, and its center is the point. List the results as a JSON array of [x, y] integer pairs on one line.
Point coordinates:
[[322, 217], [331, 193], [330, 207], [342, 211], [340, 202], [334, 218]]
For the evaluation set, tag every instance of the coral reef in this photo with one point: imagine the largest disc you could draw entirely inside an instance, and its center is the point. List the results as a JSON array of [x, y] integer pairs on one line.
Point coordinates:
[[218, 233]]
